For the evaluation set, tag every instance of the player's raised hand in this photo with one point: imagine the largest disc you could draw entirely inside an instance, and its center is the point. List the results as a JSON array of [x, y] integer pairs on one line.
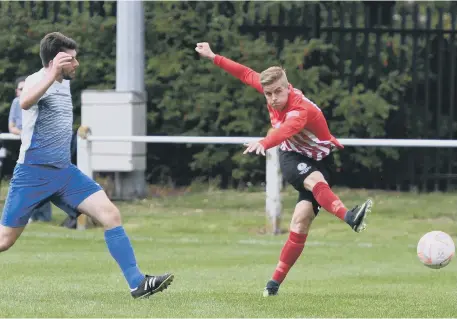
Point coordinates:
[[62, 59], [254, 147], [204, 50]]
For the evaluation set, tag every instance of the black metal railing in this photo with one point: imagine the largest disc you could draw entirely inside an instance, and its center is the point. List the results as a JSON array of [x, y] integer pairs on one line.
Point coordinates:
[[422, 44]]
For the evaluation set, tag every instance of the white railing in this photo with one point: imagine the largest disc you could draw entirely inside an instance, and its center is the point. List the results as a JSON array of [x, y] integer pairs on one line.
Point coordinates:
[[273, 173], [9, 136], [6, 136], [241, 140]]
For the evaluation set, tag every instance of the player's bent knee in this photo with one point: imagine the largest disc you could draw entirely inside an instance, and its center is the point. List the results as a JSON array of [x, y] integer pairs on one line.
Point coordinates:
[[302, 218], [115, 216], [8, 237], [313, 179], [99, 207], [109, 216], [6, 244]]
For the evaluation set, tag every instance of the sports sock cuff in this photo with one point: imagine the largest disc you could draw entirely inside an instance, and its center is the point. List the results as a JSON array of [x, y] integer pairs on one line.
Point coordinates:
[[319, 187], [115, 232], [297, 238]]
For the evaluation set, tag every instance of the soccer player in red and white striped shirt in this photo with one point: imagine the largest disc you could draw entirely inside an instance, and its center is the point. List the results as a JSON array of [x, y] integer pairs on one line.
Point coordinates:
[[306, 145]]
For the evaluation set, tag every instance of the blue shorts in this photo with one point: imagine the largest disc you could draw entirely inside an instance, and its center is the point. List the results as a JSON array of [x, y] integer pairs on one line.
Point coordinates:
[[33, 185]]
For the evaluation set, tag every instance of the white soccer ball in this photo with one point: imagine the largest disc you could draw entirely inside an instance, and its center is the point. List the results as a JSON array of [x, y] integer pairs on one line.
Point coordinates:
[[436, 249]]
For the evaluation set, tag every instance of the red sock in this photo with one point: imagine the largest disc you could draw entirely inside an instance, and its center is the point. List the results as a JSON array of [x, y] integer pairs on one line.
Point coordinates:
[[327, 199], [289, 255]]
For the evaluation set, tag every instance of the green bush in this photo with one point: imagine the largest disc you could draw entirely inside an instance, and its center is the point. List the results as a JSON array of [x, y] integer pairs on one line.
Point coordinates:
[[188, 96]]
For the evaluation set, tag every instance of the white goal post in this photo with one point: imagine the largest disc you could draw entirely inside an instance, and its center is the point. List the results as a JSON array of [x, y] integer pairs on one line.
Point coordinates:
[[273, 205]]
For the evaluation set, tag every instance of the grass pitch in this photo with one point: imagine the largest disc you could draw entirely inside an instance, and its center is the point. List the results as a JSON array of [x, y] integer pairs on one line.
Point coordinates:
[[213, 242]]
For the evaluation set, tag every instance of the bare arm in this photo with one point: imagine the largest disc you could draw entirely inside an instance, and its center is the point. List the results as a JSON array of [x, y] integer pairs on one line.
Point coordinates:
[[13, 128], [31, 96]]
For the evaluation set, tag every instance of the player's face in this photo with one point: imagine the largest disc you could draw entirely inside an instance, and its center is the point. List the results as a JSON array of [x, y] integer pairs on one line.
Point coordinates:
[[69, 71], [276, 94]]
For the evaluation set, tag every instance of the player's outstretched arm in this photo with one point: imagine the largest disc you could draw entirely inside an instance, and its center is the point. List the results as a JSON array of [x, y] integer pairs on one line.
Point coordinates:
[[294, 123], [245, 74], [33, 91]]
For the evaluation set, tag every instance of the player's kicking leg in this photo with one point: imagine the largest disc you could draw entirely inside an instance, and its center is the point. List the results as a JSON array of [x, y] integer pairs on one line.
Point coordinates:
[[299, 226], [91, 200], [355, 218]]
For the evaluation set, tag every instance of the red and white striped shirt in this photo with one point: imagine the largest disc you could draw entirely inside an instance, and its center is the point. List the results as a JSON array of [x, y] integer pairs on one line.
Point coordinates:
[[299, 127]]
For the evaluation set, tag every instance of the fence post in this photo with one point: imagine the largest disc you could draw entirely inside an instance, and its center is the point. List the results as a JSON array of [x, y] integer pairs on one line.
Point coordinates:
[[84, 152], [273, 190]]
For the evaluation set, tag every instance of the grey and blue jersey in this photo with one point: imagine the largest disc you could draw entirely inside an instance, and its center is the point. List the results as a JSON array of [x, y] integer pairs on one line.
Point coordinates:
[[44, 171], [47, 125]]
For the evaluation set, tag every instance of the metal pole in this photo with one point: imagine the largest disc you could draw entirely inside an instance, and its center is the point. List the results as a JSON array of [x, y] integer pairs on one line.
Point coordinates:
[[130, 77], [130, 46]]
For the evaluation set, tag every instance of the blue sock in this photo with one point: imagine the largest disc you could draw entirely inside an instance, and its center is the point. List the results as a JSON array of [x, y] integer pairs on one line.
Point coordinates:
[[120, 248]]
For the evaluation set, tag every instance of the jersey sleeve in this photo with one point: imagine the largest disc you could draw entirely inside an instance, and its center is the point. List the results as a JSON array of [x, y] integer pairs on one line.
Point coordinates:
[[294, 123], [245, 74], [13, 111]]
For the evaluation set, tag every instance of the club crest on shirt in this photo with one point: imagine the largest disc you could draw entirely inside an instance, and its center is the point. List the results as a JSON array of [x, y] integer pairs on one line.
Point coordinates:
[[303, 168]]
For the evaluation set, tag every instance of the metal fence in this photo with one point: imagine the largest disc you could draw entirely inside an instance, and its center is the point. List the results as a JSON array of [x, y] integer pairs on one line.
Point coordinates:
[[420, 40]]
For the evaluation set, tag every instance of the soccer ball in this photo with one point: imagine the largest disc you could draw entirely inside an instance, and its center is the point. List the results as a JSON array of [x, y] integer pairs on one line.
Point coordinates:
[[435, 249]]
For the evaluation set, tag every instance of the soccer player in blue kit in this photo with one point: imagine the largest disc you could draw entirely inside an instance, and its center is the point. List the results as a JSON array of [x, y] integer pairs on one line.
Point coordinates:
[[44, 171]]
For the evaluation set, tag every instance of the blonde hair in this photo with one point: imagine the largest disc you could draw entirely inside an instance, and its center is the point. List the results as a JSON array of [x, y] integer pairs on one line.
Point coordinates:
[[273, 74]]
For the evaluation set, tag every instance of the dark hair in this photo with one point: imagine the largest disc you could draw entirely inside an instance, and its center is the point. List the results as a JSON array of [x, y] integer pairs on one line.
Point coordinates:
[[20, 79], [52, 44]]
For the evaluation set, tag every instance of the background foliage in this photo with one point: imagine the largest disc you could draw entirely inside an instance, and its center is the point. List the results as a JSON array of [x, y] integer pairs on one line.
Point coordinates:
[[363, 87]]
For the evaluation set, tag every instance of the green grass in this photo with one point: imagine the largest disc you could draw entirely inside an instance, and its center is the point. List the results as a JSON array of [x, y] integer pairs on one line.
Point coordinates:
[[214, 244]]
